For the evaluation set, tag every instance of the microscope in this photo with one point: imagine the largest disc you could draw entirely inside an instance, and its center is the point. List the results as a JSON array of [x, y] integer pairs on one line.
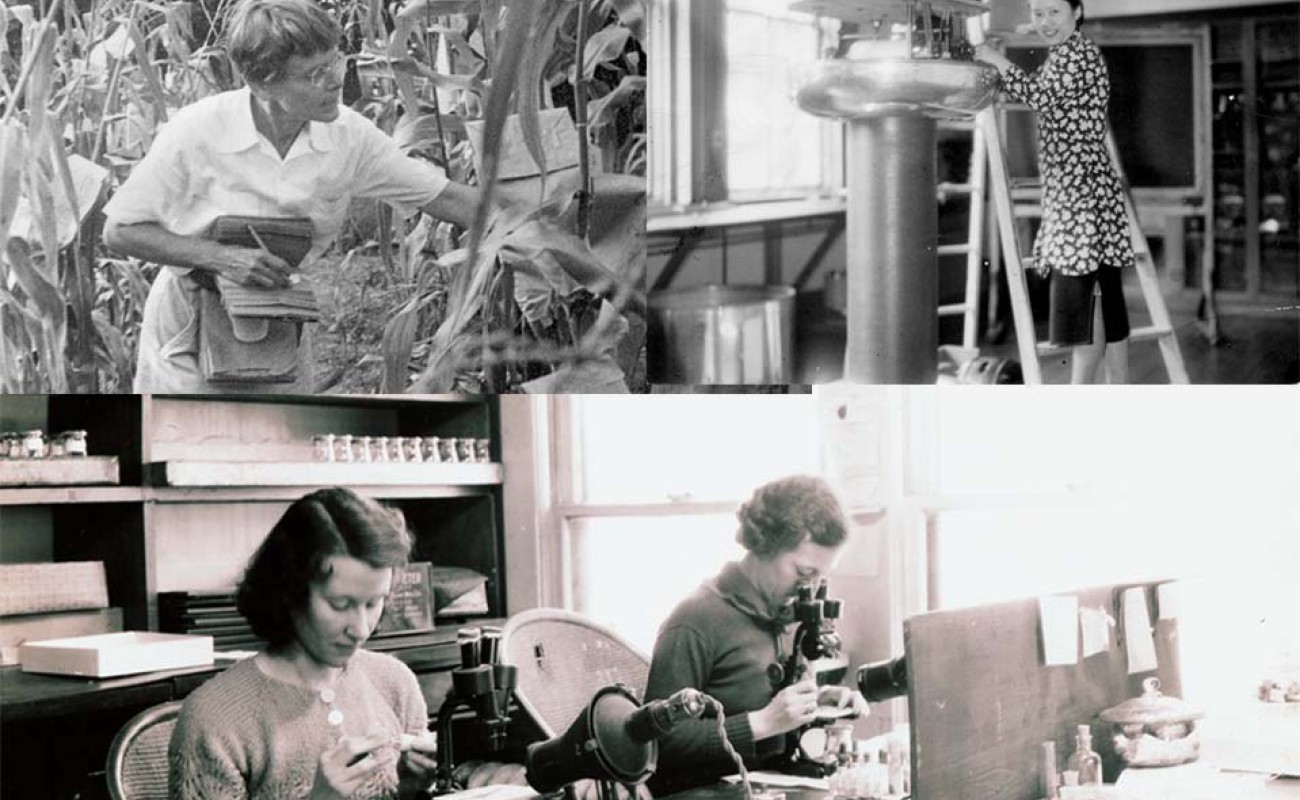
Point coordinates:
[[482, 684], [818, 652]]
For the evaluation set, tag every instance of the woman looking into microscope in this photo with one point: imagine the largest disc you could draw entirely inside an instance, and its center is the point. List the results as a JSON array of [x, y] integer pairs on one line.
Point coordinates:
[[731, 638]]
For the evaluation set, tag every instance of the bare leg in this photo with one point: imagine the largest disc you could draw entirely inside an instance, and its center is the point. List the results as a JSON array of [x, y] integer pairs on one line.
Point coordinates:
[[1086, 358], [1117, 362]]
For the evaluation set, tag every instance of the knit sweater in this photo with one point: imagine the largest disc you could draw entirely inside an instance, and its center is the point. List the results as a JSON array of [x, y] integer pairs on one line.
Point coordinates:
[[723, 640], [244, 734]]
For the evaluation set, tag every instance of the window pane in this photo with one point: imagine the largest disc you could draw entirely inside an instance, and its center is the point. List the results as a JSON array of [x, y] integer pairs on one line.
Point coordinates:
[[659, 448], [629, 572], [771, 145]]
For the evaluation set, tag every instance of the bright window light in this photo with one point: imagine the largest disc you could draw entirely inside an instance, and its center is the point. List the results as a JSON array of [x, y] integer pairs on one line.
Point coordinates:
[[676, 448], [666, 456], [772, 146], [632, 571]]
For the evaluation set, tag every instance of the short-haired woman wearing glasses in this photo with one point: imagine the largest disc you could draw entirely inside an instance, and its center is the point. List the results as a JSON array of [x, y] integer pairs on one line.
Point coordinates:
[[314, 715], [282, 146]]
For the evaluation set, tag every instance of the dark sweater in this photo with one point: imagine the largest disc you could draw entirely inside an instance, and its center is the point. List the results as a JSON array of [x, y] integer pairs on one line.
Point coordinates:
[[724, 641]]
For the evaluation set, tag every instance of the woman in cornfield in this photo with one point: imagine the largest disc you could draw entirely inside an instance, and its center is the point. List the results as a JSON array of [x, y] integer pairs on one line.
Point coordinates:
[[278, 161]]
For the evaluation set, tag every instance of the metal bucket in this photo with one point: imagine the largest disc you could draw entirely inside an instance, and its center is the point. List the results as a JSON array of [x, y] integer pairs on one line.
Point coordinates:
[[722, 335]]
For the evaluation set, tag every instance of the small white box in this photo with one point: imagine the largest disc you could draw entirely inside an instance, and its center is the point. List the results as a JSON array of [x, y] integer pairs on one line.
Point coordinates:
[[111, 654]]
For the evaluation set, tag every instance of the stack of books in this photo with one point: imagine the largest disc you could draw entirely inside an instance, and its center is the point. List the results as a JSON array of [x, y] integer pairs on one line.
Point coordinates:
[[207, 614], [297, 302]]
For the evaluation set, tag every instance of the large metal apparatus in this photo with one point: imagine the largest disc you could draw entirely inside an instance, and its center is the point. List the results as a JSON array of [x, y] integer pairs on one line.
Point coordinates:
[[903, 65]]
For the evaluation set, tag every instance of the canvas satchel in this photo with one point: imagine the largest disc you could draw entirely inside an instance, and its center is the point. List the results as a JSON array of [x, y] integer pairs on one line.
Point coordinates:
[[263, 348]]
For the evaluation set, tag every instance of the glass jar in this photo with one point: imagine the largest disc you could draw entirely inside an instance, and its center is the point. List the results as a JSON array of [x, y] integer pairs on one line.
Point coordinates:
[[14, 446], [56, 448], [432, 451], [343, 448], [77, 443], [397, 449], [34, 444], [413, 449], [379, 449], [363, 449], [322, 447], [465, 450], [447, 450], [483, 451]]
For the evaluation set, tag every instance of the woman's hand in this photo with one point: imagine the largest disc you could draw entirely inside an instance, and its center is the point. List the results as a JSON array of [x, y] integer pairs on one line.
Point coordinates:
[[415, 770], [252, 267], [839, 697], [989, 55], [793, 706], [345, 767]]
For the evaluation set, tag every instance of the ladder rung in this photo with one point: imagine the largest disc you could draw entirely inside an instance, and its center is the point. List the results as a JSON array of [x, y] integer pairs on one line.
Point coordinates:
[[1025, 183], [1143, 334], [956, 249], [967, 124], [1028, 210], [1149, 332], [953, 309], [956, 188]]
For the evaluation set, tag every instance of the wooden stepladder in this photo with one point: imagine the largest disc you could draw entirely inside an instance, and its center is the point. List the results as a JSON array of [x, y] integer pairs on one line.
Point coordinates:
[[1025, 202]]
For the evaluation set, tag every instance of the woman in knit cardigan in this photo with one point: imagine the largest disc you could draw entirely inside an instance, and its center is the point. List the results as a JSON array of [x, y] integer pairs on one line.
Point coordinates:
[[730, 638], [313, 715]]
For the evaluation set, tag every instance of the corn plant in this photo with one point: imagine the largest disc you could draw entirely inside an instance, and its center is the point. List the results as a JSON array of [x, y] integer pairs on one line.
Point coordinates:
[[84, 89]]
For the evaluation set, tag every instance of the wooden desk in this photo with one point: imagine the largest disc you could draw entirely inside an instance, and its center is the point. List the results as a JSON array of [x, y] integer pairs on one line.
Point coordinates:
[[727, 791], [57, 729]]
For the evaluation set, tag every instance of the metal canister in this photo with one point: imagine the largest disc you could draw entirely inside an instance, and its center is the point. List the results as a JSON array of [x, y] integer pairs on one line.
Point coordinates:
[[363, 449], [432, 450], [34, 444], [483, 450], [343, 448], [448, 451], [465, 450], [322, 447], [413, 449], [397, 449]]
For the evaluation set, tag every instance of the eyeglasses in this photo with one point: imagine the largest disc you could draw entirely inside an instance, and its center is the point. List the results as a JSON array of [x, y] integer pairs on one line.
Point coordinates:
[[322, 76]]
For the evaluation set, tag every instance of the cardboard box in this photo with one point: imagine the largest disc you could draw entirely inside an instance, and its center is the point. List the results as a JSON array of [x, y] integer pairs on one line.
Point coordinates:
[[112, 654], [52, 586]]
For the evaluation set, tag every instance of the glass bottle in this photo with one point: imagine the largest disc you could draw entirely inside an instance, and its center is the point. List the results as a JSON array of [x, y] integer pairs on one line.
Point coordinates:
[[1084, 760]]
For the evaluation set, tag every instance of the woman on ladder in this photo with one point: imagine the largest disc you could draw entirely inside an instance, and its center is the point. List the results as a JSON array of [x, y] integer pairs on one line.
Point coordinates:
[[1084, 236]]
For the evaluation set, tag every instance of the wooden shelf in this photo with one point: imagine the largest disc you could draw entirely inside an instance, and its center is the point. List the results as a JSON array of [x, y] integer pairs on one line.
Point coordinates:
[[58, 495], [263, 475], [80, 471]]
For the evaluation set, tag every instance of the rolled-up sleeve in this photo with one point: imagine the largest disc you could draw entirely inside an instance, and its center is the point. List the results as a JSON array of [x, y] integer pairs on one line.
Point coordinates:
[[158, 183], [386, 173]]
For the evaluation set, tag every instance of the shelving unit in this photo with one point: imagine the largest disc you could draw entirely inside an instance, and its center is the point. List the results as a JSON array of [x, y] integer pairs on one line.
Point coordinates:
[[1255, 88], [202, 480]]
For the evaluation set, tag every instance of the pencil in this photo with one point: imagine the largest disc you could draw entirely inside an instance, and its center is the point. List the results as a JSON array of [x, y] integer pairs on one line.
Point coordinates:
[[293, 279]]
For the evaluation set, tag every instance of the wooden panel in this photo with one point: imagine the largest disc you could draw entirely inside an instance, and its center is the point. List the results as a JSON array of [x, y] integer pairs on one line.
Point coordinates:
[[204, 547], [981, 704], [317, 473], [217, 430], [461, 533]]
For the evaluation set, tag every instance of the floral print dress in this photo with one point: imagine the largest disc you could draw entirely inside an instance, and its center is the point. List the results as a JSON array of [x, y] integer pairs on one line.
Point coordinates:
[[1084, 223]]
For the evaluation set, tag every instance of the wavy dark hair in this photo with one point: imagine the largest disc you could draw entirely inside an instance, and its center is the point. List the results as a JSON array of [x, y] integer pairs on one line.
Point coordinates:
[[265, 34], [781, 514], [325, 523]]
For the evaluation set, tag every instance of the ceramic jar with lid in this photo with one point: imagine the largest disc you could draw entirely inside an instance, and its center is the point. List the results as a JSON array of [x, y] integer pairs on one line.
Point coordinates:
[[1154, 730]]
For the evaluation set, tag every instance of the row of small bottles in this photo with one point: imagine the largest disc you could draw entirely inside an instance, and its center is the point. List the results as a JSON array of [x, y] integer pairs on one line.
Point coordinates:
[[1082, 768], [865, 774]]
